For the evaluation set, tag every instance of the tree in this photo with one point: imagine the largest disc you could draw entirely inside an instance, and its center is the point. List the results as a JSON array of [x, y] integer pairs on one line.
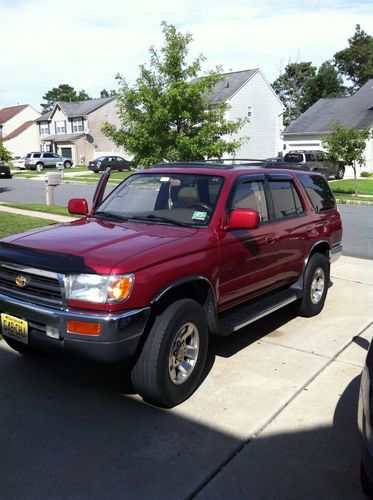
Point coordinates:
[[106, 93], [347, 145], [63, 92], [356, 61], [5, 155], [290, 87], [326, 83], [166, 115]]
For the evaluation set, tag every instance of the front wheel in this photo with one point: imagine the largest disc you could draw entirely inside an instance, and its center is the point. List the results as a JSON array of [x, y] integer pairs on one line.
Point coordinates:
[[316, 283], [67, 164], [173, 356]]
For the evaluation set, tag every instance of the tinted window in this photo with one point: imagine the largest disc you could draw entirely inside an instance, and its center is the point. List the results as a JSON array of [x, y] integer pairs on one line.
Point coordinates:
[[37, 155], [293, 158], [48, 155], [318, 191], [286, 201], [250, 195], [310, 157]]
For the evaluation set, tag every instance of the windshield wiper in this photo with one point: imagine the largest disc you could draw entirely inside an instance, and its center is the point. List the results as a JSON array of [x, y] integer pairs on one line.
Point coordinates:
[[159, 218], [109, 215]]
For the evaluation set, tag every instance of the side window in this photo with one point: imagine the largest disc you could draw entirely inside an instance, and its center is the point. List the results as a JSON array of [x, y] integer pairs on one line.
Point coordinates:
[[37, 155], [286, 201], [318, 191], [48, 155], [250, 195], [310, 157]]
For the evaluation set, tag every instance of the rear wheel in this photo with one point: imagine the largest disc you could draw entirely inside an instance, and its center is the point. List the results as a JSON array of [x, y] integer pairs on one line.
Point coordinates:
[[173, 356], [340, 173], [316, 282], [39, 166], [67, 164]]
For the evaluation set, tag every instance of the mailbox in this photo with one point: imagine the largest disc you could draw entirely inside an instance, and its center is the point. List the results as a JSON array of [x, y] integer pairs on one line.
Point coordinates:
[[53, 179]]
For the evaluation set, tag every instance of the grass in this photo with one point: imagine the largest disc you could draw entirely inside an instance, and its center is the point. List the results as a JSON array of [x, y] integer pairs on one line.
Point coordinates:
[[115, 177], [13, 223], [49, 209], [346, 186], [342, 199]]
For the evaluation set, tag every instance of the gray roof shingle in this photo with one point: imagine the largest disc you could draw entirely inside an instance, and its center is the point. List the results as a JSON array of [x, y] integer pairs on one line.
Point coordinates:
[[75, 109], [230, 84], [353, 111]]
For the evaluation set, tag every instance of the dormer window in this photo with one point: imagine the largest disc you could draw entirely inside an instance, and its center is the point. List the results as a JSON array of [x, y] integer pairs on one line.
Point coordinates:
[[77, 124]]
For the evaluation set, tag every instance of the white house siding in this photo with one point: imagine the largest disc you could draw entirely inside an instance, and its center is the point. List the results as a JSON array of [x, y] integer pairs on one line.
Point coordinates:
[[101, 144], [26, 142], [58, 116], [265, 125], [19, 119]]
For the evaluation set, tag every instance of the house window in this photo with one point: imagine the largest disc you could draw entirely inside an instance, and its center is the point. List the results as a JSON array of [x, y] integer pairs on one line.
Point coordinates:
[[60, 127], [44, 128], [77, 124], [250, 112]]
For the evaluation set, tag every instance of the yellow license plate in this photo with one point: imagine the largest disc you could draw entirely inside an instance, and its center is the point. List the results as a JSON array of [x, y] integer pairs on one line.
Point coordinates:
[[15, 328]]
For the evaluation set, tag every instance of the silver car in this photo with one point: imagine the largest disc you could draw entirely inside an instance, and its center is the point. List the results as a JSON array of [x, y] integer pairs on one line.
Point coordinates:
[[39, 160]]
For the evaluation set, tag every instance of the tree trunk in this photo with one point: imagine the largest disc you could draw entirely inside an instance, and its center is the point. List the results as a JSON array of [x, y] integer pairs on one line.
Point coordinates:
[[355, 178]]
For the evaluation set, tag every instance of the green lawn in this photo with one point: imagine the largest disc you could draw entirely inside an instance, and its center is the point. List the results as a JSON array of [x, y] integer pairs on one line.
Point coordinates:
[[49, 209], [365, 186], [12, 223], [115, 177]]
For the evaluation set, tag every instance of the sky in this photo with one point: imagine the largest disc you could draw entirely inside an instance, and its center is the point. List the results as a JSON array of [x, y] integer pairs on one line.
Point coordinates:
[[85, 43]]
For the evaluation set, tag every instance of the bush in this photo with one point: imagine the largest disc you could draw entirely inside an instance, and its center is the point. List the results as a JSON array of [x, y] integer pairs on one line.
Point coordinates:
[[364, 173]]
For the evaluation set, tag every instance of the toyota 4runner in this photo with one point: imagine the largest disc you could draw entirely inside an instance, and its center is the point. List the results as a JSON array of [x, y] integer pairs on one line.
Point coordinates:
[[172, 255]]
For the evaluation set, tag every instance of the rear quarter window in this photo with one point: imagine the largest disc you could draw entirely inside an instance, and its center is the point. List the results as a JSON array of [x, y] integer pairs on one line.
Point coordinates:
[[318, 192]]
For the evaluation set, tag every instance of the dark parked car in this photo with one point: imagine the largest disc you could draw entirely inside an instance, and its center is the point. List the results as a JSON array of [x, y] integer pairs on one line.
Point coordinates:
[[114, 162], [365, 414], [5, 171]]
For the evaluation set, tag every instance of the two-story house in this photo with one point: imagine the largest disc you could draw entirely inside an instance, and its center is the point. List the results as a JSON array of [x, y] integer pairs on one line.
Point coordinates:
[[18, 130], [250, 96], [73, 129], [310, 129]]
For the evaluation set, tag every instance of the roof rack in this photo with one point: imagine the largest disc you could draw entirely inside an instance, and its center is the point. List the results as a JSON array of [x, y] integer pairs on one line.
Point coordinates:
[[213, 163]]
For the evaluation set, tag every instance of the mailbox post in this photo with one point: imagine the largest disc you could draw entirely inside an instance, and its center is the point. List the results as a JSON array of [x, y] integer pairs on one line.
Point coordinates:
[[51, 181], [61, 167]]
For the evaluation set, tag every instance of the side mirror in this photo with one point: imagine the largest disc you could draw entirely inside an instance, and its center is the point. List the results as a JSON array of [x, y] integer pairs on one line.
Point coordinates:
[[242, 218], [78, 206]]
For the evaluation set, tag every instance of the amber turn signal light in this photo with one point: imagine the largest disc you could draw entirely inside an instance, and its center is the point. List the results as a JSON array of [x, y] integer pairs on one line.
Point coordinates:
[[83, 328]]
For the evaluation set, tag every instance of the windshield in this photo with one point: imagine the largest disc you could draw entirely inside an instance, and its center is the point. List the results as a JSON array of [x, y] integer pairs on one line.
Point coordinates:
[[100, 158], [178, 199]]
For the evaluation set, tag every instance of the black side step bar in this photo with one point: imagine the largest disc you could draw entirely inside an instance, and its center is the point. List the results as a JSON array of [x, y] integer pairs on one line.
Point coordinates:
[[241, 316]]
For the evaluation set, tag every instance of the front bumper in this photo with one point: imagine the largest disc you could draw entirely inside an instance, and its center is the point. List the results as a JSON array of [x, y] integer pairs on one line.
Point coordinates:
[[119, 338]]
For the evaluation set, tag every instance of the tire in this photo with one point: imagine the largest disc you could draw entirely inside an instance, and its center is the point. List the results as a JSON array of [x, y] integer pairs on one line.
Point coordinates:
[[315, 289], [67, 164], [340, 173], [39, 166], [366, 483], [156, 375], [19, 347]]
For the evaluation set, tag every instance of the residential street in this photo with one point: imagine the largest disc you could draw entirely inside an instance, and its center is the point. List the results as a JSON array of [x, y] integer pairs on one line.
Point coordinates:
[[275, 416]]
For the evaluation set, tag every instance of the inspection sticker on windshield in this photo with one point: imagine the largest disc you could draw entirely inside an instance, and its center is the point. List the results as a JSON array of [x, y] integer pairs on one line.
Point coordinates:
[[199, 215]]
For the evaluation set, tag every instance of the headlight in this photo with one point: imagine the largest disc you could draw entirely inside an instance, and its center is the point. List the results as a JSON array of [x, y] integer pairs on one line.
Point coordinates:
[[99, 289]]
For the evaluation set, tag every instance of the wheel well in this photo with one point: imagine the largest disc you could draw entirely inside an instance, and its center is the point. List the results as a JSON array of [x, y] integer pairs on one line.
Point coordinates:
[[322, 247], [197, 290]]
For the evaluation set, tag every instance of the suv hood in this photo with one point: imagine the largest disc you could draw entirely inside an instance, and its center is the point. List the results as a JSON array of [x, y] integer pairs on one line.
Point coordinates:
[[98, 245]]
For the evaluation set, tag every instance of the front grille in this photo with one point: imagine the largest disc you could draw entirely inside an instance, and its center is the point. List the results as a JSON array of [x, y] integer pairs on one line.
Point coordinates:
[[42, 288]]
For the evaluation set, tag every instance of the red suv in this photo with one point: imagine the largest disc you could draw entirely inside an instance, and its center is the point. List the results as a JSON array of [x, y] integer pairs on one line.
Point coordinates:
[[172, 255]]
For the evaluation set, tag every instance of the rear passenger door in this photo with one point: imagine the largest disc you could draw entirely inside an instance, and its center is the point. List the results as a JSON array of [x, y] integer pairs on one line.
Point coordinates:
[[289, 223]]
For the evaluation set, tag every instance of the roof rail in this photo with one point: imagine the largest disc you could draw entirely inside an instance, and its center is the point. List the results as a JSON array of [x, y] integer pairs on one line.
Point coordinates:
[[212, 163]]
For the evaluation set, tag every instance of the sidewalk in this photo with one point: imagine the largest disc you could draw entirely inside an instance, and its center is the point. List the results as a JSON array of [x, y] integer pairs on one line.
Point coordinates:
[[275, 417], [40, 215]]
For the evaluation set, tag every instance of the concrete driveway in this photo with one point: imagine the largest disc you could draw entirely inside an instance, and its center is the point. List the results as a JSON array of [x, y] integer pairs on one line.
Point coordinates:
[[275, 416]]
